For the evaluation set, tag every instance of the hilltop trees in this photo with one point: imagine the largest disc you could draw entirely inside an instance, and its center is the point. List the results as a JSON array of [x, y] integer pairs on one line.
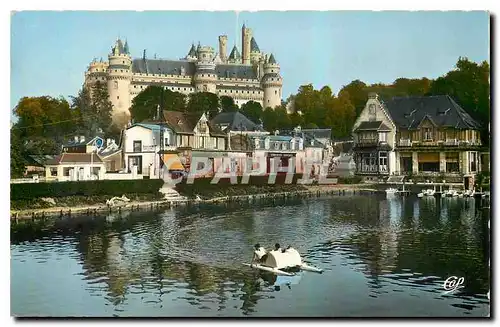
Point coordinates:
[[145, 106], [253, 111]]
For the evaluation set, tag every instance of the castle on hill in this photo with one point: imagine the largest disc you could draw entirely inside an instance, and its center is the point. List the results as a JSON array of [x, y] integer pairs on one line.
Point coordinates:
[[249, 76]]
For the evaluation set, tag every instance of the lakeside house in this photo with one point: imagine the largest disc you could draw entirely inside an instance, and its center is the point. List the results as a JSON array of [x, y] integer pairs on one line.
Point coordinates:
[[194, 136], [141, 144], [427, 136]]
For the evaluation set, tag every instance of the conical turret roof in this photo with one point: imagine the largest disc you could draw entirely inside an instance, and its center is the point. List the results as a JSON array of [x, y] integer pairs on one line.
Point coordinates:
[[271, 59], [119, 46], [192, 51], [254, 46], [125, 47], [235, 54]]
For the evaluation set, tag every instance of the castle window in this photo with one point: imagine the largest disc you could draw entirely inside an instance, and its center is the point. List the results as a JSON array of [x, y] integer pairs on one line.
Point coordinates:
[[117, 97], [124, 61], [253, 92], [275, 92]]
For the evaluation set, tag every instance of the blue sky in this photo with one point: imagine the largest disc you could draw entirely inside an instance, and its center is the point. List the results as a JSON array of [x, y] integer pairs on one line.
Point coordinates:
[[50, 51]]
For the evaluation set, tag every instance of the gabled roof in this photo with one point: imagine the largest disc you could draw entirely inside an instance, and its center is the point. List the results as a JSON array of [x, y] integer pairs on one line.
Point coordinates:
[[253, 45], [373, 126], [185, 123], [236, 121], [73, 158], [408, 112]]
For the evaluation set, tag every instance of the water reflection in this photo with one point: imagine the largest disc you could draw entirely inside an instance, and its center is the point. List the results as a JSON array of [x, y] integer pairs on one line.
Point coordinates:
[[171, 262]]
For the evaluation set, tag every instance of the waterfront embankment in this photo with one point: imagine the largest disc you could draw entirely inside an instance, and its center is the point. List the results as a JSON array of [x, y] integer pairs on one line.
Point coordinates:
[[236, 193]]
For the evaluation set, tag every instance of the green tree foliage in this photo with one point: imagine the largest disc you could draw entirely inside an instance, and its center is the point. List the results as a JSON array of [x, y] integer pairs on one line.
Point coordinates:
[[146, 104], [227, 104], [43, 123], [469, 86], [92, 110], [358, 94], [253, 111], [17, 163], [204, 102]]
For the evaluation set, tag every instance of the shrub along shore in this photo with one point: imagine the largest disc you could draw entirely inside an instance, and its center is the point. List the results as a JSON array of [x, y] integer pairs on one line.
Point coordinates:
[[28, 200]]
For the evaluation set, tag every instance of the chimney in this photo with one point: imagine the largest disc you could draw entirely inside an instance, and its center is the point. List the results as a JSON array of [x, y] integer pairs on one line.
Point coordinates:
[[222, 48]]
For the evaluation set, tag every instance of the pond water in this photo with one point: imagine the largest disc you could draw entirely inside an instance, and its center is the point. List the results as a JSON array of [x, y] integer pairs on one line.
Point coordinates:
[[381, 257]]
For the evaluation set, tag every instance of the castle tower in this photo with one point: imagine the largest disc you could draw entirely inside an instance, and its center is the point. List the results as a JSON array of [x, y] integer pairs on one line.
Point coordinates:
[[272, 83], [96, 72], [246, 36], [119, 73], [205, 77], [222, 48]]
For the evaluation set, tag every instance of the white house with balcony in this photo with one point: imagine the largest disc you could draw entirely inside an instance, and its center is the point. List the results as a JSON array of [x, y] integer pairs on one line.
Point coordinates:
[[141, 146], [279, 150]]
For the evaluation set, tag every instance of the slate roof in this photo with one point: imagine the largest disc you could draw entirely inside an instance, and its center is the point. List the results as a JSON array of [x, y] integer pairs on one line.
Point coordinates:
[[125, 48], [192, 51], [271, 59], [408, 112], [236, 121], [309, 139], [162, 66], [373, 126], [121, 49], [235, 54], [319, 133], [173, 67], [236, 71], [71, 158], [184, 123], [253, 45]]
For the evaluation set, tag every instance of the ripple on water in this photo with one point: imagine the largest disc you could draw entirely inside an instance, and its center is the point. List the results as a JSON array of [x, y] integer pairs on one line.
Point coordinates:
[[193, 257]]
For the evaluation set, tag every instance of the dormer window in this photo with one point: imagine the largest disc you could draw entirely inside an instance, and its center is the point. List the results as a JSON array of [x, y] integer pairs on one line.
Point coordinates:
[[427, 134]]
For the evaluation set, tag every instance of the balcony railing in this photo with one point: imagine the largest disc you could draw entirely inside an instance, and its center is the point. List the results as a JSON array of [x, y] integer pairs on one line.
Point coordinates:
[[451, 142], [369, 142], [404, 142], [447, 142]]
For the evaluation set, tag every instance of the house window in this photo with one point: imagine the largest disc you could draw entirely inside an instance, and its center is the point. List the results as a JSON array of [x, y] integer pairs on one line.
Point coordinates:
[[473, 161], [137, 146], [167, 141], [53, 171], [427, 134], [276, 146], [65, 171], [382, 137], [383, 161]]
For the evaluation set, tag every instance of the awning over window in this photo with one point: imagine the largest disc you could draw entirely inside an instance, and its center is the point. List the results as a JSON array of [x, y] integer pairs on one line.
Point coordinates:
[[172, 161], [428, 157]]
